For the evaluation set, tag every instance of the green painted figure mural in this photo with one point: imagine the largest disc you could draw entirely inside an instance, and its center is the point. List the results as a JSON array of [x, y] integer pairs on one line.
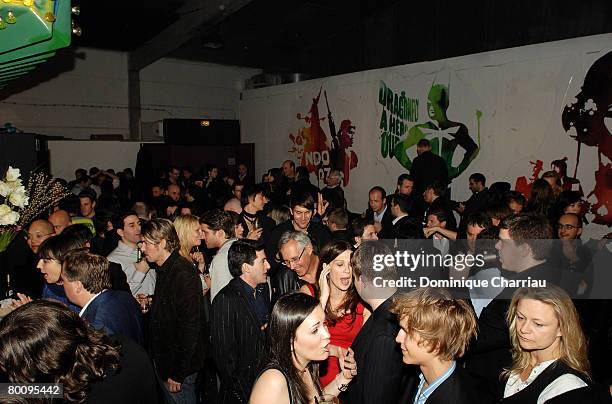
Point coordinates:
[[445, 135]]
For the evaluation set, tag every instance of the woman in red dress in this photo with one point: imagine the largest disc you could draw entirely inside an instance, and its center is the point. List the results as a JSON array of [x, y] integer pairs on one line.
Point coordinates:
[[344, 310]]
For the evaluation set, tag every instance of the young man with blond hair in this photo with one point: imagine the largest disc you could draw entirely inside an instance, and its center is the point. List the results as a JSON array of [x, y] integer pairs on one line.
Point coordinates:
[[436, 331]]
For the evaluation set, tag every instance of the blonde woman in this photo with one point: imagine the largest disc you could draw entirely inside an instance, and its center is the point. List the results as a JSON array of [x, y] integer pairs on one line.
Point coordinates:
[[190, 236], [549, 352]]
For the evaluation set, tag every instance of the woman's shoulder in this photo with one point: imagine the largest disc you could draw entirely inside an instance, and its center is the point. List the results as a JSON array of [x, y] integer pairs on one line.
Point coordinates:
[[560, 385], [270, 387]]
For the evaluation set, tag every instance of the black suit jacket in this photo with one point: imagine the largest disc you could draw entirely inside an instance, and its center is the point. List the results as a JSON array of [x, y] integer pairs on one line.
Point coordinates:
[[407, 227], [478, 202], [382, 375], [134, 383], [238, 342], [386, 223], [177, 322], [118, 278], [461, 387], [115, 312], [427, 168]]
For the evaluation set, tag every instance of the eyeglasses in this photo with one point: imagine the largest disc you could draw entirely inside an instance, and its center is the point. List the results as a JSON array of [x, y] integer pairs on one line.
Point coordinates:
[[288, 262], [37, 236], [562, 226]]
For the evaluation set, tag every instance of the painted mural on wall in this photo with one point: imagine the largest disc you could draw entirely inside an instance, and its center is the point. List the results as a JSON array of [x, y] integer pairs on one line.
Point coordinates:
[[587, 118], [541, 102], [584, 120], [399, 132], [317, 151]]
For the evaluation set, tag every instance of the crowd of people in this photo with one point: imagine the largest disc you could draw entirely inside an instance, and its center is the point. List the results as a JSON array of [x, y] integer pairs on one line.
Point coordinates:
[[213, 289]]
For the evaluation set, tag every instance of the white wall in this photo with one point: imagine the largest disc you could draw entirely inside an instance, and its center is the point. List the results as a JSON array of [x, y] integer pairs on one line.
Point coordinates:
[[68, 155], [94, 94], [173, 88], [92, 98]]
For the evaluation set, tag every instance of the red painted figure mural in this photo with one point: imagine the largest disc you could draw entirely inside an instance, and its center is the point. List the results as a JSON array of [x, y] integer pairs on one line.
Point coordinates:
[[522, 185], [588, 119], [310, 145]]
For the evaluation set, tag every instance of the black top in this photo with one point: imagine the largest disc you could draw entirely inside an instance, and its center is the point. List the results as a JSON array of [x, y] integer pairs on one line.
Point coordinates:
[[382, 375], [258, 299], [135, 382], [238, 342], [118, 278], [426, 168], [263, 222], [531, 393]]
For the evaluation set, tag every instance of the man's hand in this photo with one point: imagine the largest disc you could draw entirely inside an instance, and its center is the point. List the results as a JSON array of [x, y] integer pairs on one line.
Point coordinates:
[[428, 231], [377, 226], [255, 234], [460, 208], [21, 300], [142, 266], [321, 205], [172, 386], [348, 365]]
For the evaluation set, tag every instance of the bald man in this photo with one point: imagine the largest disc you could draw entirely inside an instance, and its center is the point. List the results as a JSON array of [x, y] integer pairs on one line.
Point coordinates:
[[60, 219], [39, 231], [174, 192], [289, 169], [233, 205]]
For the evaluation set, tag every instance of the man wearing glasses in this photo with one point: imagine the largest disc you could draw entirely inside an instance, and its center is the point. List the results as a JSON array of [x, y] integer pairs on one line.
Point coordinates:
[[299, 263], [302, 212], [21, 260], [570, 254]]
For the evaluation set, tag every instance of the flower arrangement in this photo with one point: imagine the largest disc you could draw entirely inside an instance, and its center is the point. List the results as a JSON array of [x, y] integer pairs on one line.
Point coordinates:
[[19, 205]]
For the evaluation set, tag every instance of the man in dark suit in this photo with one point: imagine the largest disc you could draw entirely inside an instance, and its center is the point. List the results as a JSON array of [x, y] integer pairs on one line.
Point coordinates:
[[337, 222], [239, 314], [479, 200], [524, 245], [428, 167], [177, 322], [382, 375], [404, 225], [333, 192], [434, 196], [379, 212], [87, 284]]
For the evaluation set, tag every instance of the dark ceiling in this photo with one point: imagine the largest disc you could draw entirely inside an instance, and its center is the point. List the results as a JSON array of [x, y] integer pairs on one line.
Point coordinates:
[[326, 37]]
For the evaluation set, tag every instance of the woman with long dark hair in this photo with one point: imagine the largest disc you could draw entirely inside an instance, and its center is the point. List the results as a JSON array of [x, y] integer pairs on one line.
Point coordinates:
[[541, 199], [298, 340], [344, 310], [44, 342]]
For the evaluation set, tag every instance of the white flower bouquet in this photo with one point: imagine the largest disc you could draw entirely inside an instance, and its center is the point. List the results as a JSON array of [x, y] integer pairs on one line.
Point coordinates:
[[19, 205], [13, 198]]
